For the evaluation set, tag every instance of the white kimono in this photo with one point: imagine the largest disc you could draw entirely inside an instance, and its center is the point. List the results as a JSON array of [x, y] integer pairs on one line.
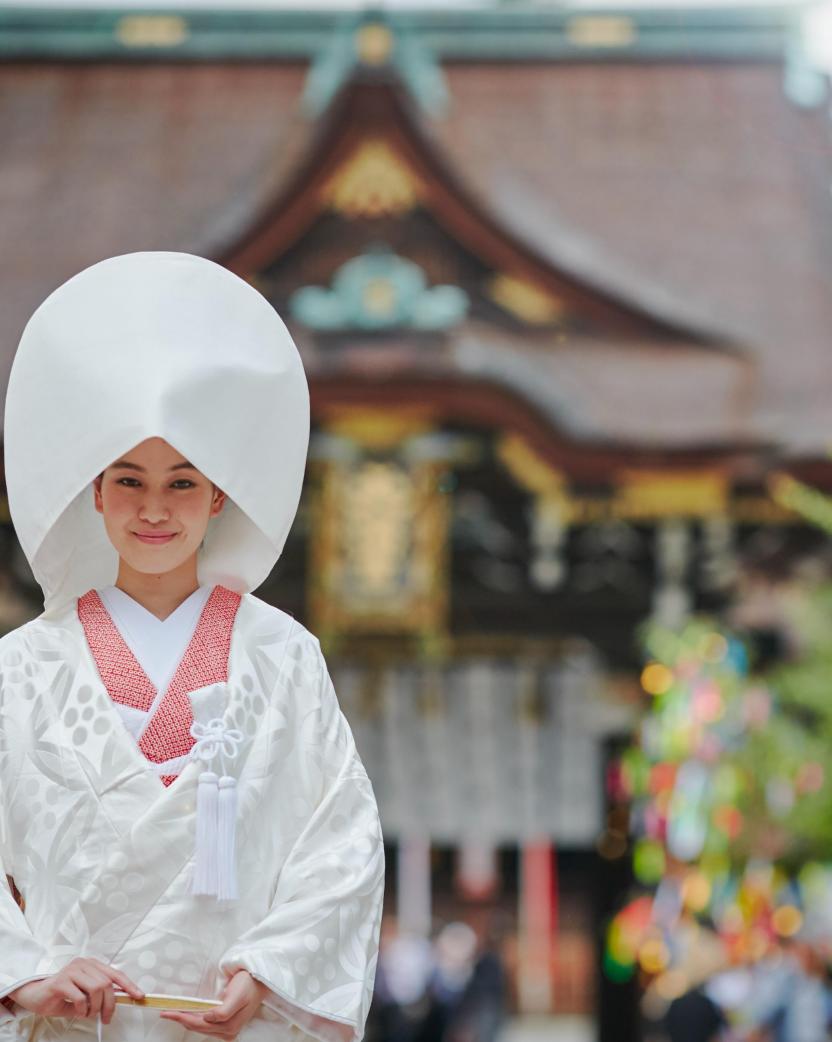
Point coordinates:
[[98, 796], [101, 849]]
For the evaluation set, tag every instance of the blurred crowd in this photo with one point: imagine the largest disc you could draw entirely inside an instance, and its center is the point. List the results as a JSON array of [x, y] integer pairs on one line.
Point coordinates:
[[448, 988], [785, 995]]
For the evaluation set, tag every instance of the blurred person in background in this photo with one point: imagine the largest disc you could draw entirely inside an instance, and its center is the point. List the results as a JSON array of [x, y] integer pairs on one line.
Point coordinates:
[[694, 1017], [790, 995], [700, 960], [481, 1007], [400, 1003], [454, 953], [467, 988]]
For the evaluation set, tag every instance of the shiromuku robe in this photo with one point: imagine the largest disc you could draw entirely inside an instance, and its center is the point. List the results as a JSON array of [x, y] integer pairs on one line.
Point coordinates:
[[100, 844], [97, 816]]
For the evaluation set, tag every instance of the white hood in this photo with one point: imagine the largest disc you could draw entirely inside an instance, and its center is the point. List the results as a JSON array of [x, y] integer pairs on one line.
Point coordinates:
[[143, 345]]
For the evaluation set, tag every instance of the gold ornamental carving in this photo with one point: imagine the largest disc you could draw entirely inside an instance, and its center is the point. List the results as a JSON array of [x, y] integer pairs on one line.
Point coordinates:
[[535, 474], [374, 181], [380, 548], [526, 300], [151, 30], [647, 495], [378, 429], [598, 31], [374, 43]]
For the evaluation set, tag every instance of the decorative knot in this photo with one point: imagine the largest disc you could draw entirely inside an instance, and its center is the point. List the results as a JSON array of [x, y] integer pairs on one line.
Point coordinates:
[[213, 738]]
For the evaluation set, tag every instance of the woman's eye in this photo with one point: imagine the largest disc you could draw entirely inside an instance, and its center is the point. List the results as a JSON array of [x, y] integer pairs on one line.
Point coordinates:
[[180, 483]]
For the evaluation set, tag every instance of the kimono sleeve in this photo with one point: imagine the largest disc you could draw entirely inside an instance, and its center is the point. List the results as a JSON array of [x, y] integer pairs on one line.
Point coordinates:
[[22, 957], [317, 948]]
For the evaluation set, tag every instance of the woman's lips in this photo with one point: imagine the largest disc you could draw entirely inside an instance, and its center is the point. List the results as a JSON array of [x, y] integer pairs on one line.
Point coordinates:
[[155, 539]]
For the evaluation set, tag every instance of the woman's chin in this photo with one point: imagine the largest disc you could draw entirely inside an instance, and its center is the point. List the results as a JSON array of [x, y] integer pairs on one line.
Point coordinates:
[[154, 561]]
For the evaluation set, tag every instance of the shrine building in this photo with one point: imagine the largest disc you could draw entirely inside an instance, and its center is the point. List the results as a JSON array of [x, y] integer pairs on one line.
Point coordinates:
[[560, 282]]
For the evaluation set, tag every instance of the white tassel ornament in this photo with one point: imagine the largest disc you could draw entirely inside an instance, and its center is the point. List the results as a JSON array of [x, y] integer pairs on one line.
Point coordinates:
[[227, 840], [215, 854], [205, 853]]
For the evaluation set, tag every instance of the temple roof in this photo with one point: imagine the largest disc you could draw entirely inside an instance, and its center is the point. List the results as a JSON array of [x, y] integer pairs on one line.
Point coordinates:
[[688, 193], [504, 31], [697, 191]]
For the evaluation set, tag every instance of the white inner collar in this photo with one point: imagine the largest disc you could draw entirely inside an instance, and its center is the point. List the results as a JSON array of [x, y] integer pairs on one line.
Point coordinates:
[[158, 644]]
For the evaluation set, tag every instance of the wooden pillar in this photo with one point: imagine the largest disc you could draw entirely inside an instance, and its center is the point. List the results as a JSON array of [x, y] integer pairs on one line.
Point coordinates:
[[538, 921], [414, 885], [477, 870]]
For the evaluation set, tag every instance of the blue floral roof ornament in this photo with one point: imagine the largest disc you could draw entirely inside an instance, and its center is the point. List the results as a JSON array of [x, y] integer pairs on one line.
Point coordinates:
[[379, 290]]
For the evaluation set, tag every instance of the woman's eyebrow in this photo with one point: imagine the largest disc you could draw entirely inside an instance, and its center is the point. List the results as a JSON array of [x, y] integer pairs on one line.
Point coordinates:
[[125, 465]]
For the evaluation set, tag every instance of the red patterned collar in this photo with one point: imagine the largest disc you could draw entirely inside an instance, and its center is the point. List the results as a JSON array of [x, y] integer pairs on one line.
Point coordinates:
[[167, 734]]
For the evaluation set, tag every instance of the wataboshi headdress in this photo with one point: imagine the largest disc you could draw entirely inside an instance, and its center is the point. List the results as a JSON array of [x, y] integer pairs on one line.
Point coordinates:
[[154, 344]]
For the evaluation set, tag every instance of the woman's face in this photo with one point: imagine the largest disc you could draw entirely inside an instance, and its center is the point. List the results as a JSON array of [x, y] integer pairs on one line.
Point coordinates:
[[156, 506]]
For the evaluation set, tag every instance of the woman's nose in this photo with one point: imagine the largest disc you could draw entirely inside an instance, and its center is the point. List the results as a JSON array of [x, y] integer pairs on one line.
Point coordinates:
[[154, 509]]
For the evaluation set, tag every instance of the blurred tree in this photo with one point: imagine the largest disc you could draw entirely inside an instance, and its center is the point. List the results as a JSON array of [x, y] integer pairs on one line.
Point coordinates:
[[731, 806]]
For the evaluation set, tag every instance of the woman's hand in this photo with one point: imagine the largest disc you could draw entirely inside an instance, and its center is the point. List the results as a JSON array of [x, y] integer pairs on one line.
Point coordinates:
[[83, 988], [240, 1001]]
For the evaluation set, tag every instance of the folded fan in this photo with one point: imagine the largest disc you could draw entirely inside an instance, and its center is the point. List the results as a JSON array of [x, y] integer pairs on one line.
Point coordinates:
[[156, 1001]]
